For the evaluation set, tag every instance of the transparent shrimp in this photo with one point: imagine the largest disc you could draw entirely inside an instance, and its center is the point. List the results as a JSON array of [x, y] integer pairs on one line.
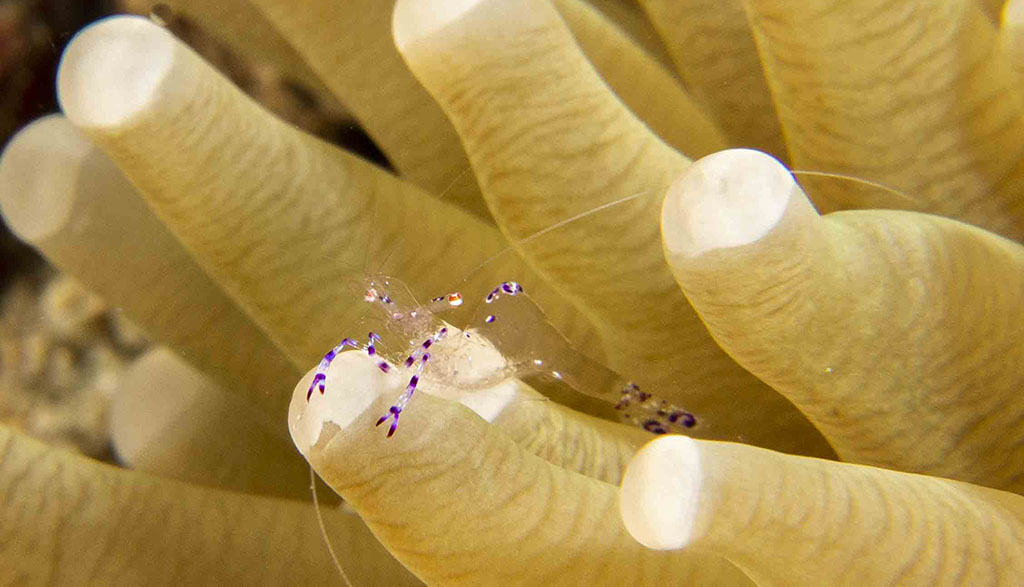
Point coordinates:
[[417, 331], [511, 323], [509, 336]]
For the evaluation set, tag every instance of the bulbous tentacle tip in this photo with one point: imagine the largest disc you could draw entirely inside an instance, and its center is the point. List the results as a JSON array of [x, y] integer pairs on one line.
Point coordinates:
[[659, 493], [39, 177], [353, 382], [113, 69], [416, 19], [727, 199]]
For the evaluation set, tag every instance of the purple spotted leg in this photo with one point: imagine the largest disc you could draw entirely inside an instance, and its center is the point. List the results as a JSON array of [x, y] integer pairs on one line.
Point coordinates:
[[320, 376], [508, 287], [395, 411], [656, 416], [321, 370]]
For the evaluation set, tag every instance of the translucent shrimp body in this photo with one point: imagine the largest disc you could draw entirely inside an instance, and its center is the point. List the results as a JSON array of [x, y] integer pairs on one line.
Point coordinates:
[[508, 337]]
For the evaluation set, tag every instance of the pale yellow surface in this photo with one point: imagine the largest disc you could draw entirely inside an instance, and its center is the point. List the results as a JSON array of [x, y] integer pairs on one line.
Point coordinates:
[[947, 128], [713, 50], [547, 141], [897, 333], [283, 221], [241, 25], [169, 420], [492, 512], [643, 84], [394, 109], [531, 498], [789, 520], [71, 520], [83, 214]]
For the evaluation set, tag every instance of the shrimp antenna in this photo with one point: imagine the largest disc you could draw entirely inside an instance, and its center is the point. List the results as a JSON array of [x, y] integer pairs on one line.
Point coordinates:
[[917, 202], [906, 198], [548, 229], [397, 243], [448, 189], [369, 236], [323, 528], [380, 267]]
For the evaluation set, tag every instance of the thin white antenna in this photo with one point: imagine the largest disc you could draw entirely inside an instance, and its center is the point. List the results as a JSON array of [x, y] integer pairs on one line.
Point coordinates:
[[369, 236], [323, 528], [548, 229], [902, 195], [395, 245], [380, 268], [445, 191], [867, 182]]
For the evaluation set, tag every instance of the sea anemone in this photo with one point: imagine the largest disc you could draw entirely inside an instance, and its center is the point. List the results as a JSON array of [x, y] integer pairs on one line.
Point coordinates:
[[855, 371]]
